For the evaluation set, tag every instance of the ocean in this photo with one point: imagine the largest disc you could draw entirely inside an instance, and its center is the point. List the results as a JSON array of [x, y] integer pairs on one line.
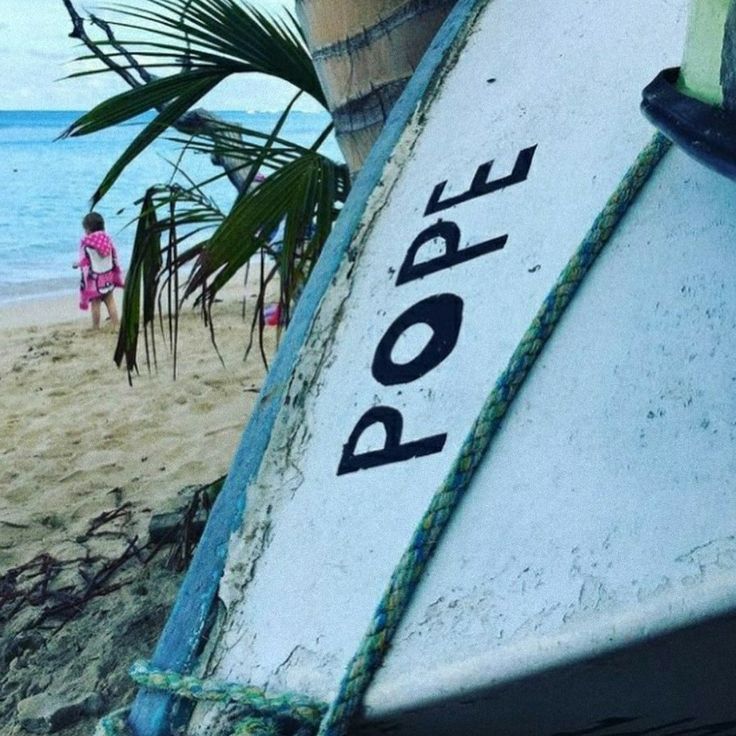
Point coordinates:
[[46, 185]]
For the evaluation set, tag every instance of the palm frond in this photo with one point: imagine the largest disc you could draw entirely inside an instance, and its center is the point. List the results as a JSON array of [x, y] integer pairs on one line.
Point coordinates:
[[303, 195], [134, 102], [210, 32], [154, 269], [205, 41], [195, 91], [140, 285], [211, 40], [246, 145]]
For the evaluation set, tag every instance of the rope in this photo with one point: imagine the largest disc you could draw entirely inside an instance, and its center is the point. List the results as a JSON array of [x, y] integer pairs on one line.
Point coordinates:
[[404, 579], [264, 712]]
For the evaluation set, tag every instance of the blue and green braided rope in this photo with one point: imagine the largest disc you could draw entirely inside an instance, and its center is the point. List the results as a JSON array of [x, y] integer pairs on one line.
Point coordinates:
[[266, 712]]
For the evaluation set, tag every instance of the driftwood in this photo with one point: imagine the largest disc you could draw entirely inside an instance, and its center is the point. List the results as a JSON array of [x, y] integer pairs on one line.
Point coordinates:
[[59, 589]]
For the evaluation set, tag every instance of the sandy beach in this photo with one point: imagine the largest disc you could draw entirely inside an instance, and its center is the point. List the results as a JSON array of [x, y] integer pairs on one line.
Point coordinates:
[[87, 460]]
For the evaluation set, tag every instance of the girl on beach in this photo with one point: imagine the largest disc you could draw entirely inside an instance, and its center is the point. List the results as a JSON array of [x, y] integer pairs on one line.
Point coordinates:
[[101, 272]]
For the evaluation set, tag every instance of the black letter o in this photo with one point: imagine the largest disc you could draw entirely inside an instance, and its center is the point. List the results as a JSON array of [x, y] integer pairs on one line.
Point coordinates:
[[443, 313]]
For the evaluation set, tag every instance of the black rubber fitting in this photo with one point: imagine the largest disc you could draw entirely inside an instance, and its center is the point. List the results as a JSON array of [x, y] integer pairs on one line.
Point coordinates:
[[705, 132]]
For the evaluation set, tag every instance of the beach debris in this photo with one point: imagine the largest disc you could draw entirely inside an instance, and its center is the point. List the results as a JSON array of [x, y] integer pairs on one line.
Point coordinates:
[[96, 582], [123, 512], [59, 588], [46, 713], [272, 314], [167, 527], [13, 525], [184, 527], [49, 605], [26, 641], [41, 584]]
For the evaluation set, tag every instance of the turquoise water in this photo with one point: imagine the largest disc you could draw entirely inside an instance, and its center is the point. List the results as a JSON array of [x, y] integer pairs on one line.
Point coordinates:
[[45, 186]]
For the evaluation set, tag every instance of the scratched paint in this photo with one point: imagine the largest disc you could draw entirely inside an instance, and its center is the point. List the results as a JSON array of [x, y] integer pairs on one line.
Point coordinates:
[[591, 567]]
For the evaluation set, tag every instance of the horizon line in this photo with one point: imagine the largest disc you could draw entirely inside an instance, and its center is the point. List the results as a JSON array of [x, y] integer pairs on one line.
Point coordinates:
[[222, 109]]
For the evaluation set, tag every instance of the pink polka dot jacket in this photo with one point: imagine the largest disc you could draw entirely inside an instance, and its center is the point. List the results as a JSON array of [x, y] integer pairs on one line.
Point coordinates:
[[100, 270]]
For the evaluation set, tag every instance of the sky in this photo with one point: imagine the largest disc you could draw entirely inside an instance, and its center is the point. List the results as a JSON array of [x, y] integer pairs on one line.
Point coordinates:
[[36, 53]]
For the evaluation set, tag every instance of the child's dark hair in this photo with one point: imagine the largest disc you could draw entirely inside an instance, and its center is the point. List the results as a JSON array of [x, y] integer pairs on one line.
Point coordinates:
[[93, 222]]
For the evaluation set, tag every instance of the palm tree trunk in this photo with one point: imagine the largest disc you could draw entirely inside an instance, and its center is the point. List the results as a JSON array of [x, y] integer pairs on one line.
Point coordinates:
[[365, 51]]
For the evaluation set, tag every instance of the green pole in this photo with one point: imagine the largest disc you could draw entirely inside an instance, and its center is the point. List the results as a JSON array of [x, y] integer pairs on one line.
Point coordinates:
[[701, 70]]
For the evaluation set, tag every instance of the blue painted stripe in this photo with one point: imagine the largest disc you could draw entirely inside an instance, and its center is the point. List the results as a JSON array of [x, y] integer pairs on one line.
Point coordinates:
[[180, 639]]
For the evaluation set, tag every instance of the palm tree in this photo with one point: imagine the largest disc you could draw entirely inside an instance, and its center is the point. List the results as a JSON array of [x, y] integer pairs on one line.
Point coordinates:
[[364, 54], [361, 57]]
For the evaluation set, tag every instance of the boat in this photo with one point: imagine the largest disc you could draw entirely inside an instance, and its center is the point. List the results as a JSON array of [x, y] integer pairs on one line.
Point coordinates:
[[586, 582]]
